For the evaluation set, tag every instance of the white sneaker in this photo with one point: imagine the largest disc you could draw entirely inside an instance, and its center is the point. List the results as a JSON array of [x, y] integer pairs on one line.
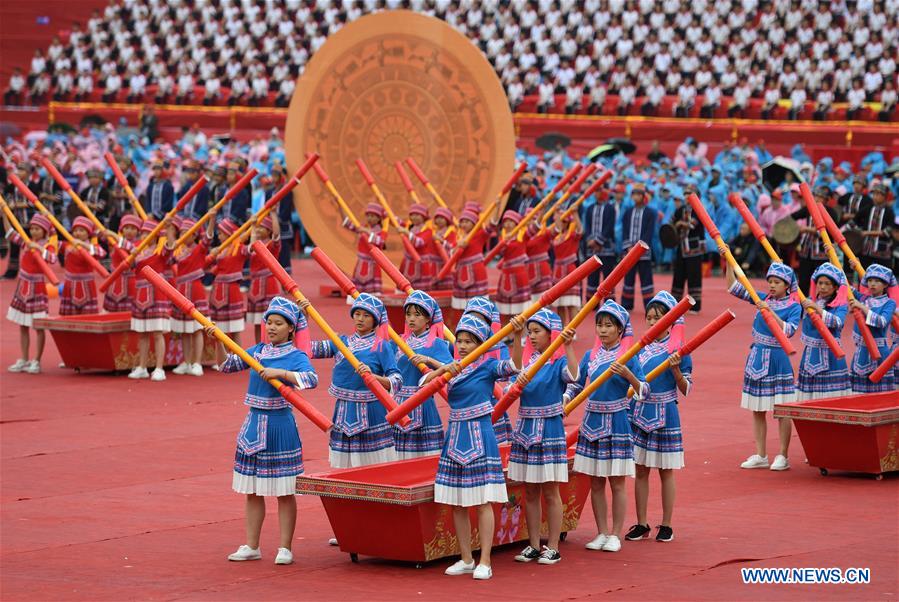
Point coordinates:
[[139, 373], [613, 544], [285, 556], [19, 366], [482, 572], [598, 542], [245, 552], [460, 568], [216, 367], [332, 541], [780, 463], [195, 370], [158, 374], [755, 461], [33, 367], [181, 368]]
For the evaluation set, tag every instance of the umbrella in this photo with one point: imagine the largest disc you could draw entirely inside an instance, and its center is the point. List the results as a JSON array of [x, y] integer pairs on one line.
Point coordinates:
[[624, 144], [774, 172], [603, 150], [553, 140]]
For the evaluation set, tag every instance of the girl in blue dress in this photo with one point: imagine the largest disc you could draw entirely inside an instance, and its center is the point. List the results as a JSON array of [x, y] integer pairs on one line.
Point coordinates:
[[269, 452], [423, 436], [361, 433], [878, 306], [485, 310], [769, 374], [605, 445], [470, 471], [539, 456], [658, 442], [821, 373]]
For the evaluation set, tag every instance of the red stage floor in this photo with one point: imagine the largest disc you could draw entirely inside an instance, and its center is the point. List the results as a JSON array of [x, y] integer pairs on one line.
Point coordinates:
[[114, 489]]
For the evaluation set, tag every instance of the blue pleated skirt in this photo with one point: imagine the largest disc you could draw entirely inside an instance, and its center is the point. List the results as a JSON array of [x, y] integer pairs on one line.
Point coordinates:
[[424, 436], [539, 453], [269, 454], [470, 471], [768, 379]]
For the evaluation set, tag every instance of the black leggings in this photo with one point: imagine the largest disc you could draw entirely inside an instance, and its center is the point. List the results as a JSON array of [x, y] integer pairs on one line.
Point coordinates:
[[688, 270]]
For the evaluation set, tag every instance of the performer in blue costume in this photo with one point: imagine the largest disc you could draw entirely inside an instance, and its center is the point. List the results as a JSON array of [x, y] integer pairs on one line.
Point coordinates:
[[605, 446], [658, 441], [821, 373], [269, 452], [878, 305], [769, 374], [361, 433], [423, 436], [470, 471], [485, 310], [539, 456]]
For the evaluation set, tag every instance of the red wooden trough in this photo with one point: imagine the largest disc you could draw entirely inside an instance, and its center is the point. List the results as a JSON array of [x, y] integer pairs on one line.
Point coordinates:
[[106, 342], [388, 510], [857, 433]]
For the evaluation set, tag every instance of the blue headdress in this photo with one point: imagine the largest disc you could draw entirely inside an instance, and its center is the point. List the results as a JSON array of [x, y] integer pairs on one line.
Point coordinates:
[[374, 306], [676, 337], [290, 312], [620, 315], [875, 270], [483, 306], [486, 308], [785, 273], [553, 323], [839, 280], [473, 326], [427, 303], [285, 308]]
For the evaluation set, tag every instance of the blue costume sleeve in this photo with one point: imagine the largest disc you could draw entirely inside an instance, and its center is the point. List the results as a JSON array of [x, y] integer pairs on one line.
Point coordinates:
[[835, 317], [577, 386], [234, 363], [442, 351], [634, 366], [737, 290], [791, 320], [504, 369], [303, 371], [323, 349], [880, 317]]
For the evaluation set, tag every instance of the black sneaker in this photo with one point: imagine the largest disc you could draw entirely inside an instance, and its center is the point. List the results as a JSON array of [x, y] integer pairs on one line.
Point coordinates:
[[549, 556], [638, 532], [665, 534], [528, 554]]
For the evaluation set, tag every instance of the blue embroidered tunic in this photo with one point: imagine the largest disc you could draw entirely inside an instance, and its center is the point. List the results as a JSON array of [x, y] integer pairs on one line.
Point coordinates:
[[470, 472], [269, 453], [605, 444], [821, 373], [539, 453], [769, 374], [658, 440], [424, 433], [878, 321], [361, 433]]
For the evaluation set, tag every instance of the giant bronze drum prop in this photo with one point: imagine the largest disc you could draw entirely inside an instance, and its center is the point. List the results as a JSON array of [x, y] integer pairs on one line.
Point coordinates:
[[389, 86]]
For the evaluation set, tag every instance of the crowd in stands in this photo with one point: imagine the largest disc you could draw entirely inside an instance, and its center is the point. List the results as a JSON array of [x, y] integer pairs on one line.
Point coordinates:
[[667, 180], [795, 58]]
